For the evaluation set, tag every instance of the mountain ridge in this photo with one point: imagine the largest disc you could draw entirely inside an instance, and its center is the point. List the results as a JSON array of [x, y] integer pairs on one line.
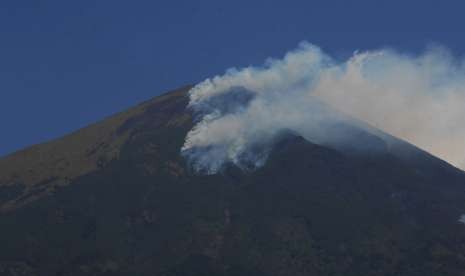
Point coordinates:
[[82, 151]]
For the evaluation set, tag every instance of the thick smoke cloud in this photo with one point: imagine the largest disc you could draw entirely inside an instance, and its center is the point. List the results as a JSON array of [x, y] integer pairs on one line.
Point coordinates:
[[420, 99]]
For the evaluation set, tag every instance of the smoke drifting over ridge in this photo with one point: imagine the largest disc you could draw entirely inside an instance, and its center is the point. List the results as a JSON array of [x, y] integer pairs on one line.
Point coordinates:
[[420, 99]]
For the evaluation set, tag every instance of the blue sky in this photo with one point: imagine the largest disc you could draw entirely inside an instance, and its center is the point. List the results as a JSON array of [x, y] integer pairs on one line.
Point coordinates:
[[65, 64]]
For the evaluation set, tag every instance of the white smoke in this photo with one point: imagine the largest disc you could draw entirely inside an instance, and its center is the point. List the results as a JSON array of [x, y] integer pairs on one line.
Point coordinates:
[[462, 219], [418, 98]]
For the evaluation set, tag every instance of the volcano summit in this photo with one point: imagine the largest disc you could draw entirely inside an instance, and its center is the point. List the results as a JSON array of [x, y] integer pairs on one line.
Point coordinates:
[[120, 198]]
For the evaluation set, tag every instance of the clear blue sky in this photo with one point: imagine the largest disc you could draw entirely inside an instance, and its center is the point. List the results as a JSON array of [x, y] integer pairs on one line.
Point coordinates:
[[65, 64]]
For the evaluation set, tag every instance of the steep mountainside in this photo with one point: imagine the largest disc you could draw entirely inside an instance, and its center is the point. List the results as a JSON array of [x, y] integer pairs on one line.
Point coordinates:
[[36, 171], [117, 198]]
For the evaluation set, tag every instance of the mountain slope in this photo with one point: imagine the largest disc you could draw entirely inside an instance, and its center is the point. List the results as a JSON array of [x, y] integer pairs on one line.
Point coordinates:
[[38, 170], [129, 205]]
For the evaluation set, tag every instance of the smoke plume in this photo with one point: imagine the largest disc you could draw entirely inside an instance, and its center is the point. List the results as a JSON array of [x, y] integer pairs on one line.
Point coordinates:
[[419, 98]]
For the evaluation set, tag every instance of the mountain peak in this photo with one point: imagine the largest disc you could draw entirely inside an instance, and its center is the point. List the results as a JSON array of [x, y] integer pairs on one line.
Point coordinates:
[[118, 198]]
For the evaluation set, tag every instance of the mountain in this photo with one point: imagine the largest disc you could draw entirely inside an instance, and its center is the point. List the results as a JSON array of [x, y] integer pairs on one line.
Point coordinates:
[[117, 198]]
